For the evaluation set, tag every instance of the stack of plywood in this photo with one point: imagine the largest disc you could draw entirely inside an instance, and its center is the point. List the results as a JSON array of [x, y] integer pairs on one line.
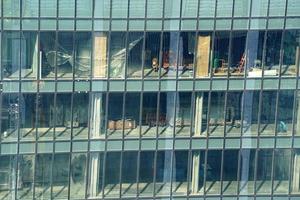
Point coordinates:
[[100, 55], [203, 50]]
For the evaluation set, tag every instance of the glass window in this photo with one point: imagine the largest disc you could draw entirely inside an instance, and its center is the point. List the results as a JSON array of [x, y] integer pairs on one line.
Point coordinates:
[[100, 55], [285, 112], [60, 176], [84, 8], [102, 8], [189, 8], [118, 54], [224, 8], [29, 54], [297, 114], [132, 115], [115, 115], [273, 43], [66, 8], [149, 115], [112, 174], [277, 8], [216, 119], [293, 7], [11, 54], [166, 114], [221, 50], [119, 8], [186, 54], [43, 167], [48, 8], [47, 54], [281, 177], [30, 8], [172, 8], [11, 8], [146, 173], [255, 42], [163, 173], [45, 120], [291, 49], [201, 113], [230, 169], [295, 187], [63, 116], [80, 115], [152, 54], [137, 8], [259, 8], [83, 48], [204, 50], [247, 171], [264, 171], [180, 172], [7, 176], [9, 116], [78, 175], [135, 54], [267, 116], [250, 115], [197, 172], [27, 116], [238, 55], [97, 118], [129, 173], [213, 172], [64, 55], [25, 176], [207, 8], [170, 54], [233, 118], [183, 114], [241, 8], [154, 8]]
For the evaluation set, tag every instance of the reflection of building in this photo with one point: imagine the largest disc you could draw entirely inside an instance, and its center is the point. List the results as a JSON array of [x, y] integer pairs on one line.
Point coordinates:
[[149, 99]]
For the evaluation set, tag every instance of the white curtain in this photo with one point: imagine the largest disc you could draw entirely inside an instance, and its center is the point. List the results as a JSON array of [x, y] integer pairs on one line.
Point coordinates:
[[296, 173], [198, 113]]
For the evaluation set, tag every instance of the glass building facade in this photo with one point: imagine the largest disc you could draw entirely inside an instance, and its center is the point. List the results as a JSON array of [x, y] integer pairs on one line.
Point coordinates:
[[150, 99]]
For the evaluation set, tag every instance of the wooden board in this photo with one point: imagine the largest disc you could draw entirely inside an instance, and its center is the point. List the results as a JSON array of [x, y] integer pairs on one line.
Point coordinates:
[[100, 55], [203, 50]]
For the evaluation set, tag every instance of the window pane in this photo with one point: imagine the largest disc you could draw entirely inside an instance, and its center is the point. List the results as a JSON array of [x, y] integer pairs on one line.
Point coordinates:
[[129, 173], [80, 115], [60, 176], [9, 116], [230, 172], [28, 116], [119, 8], [45, 116], [233, 119], [29, 54], [221, 49], [264, 171], [84, 8], [66, 8], [267, 117], [272, 53], [95, 174], [137, 8], [170, 54], [149, 114], [197, 172], [189, 8], [115, 115], [216, 118], [135, 54], [100, 55], [112, 174], [102, 8], [48, 8], [11, 54], [163, 172], [118, 54], [241, 8], [259, 8], [64, 55], [285, 112], [183, 114], [296, 172], [78, 176], [146, 173], [166, 117], [180, 168], [293, 7], [213, 172], [250, 118], [224, 8], [201, 113], [132, 115], [277, 8], [154, 8], [97, 118], [291, 48], [282, 160], [247, 170], [48, 54], [11, 8], [83, 48], [26, 168], [238, 53], [172, 8], [8, 177], [30, 8], [186, 54], [42, 175], [152, 55], [63, 116], [207, 8]]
